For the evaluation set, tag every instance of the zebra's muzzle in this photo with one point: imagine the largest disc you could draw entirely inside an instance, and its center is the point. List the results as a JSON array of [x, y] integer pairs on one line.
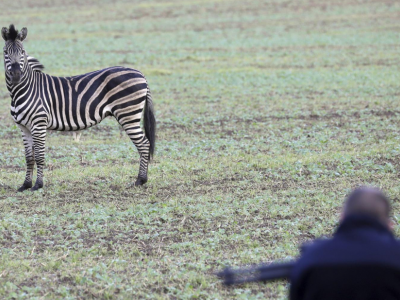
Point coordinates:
[[15, 73]]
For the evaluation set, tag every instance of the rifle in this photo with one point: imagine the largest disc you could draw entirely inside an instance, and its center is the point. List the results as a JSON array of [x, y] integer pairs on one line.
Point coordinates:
[[261, 272]]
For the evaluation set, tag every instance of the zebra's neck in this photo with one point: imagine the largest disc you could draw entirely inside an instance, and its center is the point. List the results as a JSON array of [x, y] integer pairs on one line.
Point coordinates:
[[34, 64]]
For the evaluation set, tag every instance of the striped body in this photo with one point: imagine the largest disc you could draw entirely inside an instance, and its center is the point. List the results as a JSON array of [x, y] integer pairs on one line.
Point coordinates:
[[79, 102]]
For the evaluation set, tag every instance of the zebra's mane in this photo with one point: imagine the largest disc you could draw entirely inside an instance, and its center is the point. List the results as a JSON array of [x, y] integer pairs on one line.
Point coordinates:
[[12, 33], [35, 64]]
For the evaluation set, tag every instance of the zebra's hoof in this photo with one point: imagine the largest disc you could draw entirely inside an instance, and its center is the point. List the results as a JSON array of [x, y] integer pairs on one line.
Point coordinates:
[[140, 181], [25, 186], [36, 187]]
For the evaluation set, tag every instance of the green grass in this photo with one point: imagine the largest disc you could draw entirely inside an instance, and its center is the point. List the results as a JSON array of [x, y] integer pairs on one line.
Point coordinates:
[[268, 113]]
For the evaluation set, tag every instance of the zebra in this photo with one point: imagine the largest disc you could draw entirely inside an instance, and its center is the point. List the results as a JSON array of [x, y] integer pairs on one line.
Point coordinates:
[[40, 102]]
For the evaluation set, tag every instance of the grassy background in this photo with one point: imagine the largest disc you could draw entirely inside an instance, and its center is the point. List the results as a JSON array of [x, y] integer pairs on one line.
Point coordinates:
[[268, 112]]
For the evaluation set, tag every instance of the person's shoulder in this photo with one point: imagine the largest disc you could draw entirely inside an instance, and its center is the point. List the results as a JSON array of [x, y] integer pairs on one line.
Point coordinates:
[[311, 254], [396, 244]]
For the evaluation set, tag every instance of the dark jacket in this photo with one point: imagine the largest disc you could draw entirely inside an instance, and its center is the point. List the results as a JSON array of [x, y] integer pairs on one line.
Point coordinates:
[[361, 261]]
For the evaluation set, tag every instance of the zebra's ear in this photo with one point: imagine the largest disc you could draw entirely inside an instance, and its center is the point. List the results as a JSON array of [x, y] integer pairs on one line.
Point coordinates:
[[22, 34], [4, 33]]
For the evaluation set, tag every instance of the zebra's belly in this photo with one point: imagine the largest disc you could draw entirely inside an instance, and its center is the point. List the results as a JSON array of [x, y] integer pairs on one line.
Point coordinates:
[[66, 127], [69, 127]]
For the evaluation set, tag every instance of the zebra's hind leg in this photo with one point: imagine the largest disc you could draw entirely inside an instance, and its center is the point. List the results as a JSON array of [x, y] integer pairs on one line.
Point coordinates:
[[138, 137], [29, 157], [39, 140]]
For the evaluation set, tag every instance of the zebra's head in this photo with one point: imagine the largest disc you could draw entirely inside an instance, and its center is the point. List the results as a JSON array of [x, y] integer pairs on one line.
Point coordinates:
[[14, 53]]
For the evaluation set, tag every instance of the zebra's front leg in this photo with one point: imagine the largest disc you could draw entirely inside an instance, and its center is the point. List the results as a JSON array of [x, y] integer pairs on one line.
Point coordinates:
[[29, 157], [39, 141]]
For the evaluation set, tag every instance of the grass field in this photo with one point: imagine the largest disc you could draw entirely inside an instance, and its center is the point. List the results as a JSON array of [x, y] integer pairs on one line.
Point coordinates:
[[268, 112]]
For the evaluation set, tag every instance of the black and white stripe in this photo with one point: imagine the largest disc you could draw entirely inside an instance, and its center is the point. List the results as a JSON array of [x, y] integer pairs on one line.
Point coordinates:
[[42, 102]]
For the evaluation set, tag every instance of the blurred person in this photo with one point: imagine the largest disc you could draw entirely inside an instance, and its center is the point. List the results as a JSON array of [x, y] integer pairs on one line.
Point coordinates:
[[361, 261]]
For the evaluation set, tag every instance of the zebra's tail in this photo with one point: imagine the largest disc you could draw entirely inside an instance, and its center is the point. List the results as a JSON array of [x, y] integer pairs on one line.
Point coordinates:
[[150, 123]]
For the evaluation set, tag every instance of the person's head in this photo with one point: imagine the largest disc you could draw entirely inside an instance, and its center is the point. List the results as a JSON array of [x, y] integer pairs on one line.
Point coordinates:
[[368, 201]]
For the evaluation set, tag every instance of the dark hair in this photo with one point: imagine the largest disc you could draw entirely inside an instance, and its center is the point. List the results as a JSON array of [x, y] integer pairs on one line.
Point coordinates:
[[368, 201], [12, 33]]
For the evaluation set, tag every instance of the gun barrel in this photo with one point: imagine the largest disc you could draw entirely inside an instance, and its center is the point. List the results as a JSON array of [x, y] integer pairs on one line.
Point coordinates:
[[259, 273], [275, 271]]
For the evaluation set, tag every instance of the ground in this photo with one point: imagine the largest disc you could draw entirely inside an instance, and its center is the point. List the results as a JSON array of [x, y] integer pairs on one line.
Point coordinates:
[[269, 113]]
